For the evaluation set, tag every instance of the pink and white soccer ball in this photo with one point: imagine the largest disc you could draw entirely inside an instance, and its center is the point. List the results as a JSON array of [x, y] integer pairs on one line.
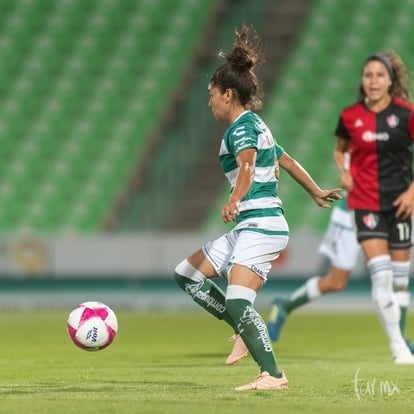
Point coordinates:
[[92, 326]]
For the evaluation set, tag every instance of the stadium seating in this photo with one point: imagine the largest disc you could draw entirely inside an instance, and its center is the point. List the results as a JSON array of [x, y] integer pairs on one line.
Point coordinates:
[[320, 77], [82, 86]]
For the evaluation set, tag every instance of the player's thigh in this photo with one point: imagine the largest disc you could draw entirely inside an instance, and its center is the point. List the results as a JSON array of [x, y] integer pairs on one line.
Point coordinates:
[[218, 254], [200, 262], [256, 251]]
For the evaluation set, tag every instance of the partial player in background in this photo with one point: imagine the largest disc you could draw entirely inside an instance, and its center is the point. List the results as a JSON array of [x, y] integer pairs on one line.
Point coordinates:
[[340, 246], [250, 159]]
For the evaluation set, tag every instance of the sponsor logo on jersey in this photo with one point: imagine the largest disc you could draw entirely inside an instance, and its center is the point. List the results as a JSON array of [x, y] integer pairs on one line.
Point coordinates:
[[369, 136], [371, 220], [393, 121], [239, 131], [358, 123], [241, 141]]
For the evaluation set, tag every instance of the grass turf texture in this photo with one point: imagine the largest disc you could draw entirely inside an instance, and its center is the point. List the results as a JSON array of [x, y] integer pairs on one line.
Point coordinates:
[[174, 363]]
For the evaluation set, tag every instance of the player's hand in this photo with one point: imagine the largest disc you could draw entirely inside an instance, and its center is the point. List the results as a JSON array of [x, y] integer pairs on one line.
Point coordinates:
[[324, 197], [405, 205], [230, 211]]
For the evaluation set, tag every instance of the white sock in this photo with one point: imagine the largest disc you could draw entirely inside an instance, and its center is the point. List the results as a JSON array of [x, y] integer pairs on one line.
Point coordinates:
[[384, 297], [309, 289], [401, 274], [312, 288], [403, 298]]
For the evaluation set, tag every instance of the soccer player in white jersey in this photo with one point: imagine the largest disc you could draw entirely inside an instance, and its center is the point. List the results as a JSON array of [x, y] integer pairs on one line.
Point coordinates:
[[250, 159]]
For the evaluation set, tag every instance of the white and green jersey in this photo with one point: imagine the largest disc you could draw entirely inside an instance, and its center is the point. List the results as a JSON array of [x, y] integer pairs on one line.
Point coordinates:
[[249, 131]]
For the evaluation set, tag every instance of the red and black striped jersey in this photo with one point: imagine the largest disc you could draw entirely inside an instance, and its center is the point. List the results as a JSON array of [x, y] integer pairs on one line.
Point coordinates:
[[381, 153]]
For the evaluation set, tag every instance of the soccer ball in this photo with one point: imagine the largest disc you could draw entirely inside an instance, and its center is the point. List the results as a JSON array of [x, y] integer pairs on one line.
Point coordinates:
[[92, 326]]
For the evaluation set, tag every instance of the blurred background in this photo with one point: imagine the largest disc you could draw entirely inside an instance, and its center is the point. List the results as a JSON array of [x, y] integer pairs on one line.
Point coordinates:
[[109, 172]]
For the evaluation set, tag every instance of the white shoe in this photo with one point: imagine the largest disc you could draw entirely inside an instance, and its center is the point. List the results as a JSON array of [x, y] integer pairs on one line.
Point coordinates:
[[401, 353]]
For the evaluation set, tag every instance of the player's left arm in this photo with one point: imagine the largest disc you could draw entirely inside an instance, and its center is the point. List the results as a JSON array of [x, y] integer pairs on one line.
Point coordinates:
[[246, 160], [302, 177]]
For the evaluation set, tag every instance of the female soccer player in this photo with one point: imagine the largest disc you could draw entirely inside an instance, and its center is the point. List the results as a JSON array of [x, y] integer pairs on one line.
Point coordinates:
[[378, 131], [250, 159]]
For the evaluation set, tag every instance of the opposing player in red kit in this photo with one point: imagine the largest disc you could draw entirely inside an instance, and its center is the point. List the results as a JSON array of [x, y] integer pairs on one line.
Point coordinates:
[[378, 132]]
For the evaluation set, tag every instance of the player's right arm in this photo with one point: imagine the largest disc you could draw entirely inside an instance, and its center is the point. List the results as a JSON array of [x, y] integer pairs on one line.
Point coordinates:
[[321, 197]]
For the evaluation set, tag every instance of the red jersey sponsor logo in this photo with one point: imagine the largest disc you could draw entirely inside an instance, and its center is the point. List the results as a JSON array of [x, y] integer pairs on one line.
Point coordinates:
[[369, 136]]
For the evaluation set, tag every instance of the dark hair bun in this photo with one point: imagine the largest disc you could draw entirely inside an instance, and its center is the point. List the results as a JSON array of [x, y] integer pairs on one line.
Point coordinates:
[[240, 57]]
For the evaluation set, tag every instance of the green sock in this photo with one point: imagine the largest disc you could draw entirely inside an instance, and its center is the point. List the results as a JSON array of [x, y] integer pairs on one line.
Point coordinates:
[[303, 294], [209, 296], [254, 333], [290, 304], [403, 318]]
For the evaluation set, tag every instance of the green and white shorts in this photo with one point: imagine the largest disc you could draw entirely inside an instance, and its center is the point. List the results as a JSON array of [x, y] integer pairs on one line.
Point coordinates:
[[253, 243]]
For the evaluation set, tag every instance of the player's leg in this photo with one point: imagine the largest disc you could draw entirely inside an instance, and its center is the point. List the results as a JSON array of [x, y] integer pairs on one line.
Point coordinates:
[[251, 261], [400, 261], [341, 248], [335, 280], [194, 274], [378, 232], [240, 305], [380, 268]]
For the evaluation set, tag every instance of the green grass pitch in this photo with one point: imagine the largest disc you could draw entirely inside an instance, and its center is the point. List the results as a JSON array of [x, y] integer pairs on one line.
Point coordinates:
[[173, 363]]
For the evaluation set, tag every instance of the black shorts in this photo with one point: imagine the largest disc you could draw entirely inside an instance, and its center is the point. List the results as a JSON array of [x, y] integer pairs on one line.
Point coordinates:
[[383, 225]]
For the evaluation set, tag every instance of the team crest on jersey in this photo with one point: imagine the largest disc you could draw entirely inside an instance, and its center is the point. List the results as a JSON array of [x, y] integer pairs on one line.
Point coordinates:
[[371, 220], [393, 121]]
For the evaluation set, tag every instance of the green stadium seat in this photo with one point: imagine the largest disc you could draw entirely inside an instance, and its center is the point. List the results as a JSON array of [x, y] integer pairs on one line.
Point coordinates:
[[79, 104]]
